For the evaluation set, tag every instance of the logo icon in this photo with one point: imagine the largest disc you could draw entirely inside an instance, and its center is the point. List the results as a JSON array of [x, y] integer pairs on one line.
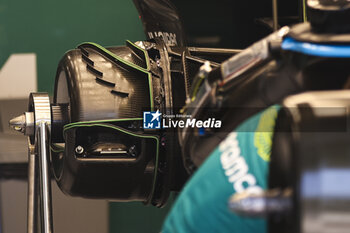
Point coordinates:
[[151, 120]]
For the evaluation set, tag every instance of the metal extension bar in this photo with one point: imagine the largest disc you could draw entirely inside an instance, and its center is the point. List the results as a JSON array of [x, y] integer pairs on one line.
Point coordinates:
[[36, 124], [45, 180]]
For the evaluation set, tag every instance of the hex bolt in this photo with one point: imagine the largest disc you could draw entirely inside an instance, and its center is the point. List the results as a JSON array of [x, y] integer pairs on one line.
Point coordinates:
[[132, 151], [159, 64], [79, 150]]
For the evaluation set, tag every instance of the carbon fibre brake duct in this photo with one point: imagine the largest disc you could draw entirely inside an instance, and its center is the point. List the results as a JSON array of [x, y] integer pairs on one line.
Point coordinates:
[[98, 146]]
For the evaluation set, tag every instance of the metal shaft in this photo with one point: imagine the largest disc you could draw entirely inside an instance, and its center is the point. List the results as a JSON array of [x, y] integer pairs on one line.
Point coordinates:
[[275, 15], [32, 190], [45, 181]]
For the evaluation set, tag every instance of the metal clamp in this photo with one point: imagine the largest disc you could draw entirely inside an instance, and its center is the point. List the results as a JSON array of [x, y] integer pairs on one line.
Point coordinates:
[[36, 124]]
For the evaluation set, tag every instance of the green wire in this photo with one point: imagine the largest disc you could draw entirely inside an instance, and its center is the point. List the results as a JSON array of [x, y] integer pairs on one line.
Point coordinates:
[[102, 121], [58, 149], [196, 87], [151, 90]]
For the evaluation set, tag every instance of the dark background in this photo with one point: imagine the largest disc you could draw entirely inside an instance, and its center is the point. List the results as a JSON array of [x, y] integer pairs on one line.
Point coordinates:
[[231, 23]]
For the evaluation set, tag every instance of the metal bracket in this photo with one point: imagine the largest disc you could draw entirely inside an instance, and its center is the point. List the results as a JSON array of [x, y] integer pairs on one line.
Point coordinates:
[[40, 105]]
